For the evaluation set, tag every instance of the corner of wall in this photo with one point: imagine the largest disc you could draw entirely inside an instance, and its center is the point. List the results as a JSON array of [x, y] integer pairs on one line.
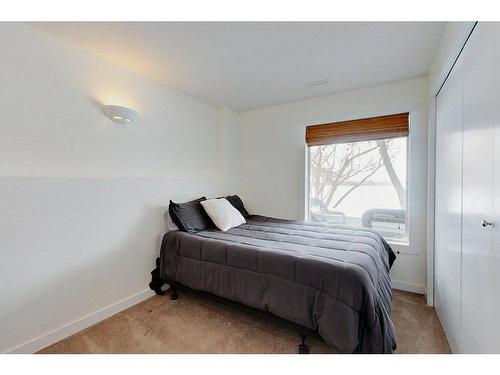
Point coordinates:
[[229, 149], [454, 36]]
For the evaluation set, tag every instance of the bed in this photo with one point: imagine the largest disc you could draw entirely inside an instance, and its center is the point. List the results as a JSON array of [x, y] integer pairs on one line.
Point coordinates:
[[330, 279]]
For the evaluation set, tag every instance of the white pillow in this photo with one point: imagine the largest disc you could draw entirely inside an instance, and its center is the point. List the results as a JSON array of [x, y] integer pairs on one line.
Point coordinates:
[[222, 213]]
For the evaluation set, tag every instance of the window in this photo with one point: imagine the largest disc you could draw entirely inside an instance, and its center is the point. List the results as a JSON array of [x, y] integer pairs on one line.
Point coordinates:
[[359, 177]]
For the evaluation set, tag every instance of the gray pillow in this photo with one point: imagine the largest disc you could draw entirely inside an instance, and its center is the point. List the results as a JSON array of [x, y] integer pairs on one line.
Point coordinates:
[[190, 216], [237, 203]]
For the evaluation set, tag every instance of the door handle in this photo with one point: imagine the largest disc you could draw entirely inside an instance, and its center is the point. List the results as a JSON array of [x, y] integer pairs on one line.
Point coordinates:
[[485, 223]]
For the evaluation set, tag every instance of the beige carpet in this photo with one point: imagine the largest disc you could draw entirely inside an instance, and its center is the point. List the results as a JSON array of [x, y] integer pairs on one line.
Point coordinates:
[[194, 324]]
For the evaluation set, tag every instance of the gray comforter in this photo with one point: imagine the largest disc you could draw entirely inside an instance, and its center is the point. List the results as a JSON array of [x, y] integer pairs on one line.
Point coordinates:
[[333, 279]]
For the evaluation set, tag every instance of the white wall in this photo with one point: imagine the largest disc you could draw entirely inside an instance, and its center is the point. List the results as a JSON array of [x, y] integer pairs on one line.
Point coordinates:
[[81, 198], [52, 123], [273, 160], [228, 147]]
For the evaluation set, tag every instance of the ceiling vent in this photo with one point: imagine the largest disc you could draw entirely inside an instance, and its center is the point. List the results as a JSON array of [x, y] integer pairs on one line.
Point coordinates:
[[318, 83]]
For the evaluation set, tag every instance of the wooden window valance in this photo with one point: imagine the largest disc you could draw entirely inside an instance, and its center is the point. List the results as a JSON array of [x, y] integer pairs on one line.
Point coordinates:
[[367, 129]]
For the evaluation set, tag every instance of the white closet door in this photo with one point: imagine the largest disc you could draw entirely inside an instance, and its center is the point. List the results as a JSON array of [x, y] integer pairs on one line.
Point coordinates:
[[493, 305], [478, 334], [448, 209]]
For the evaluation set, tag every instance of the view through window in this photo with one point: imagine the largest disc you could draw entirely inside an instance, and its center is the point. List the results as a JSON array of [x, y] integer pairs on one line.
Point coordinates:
[[362, 184]]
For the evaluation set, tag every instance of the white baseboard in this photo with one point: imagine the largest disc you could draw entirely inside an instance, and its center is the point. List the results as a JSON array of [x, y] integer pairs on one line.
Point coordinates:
[[407, 287], [34, 345], [428, 298]]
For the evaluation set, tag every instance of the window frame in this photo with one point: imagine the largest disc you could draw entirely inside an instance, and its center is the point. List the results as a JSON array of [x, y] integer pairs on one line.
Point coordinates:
[[398, 246]]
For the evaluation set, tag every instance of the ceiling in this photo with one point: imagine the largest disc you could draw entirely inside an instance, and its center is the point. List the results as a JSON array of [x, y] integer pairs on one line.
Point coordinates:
[[250, 65]]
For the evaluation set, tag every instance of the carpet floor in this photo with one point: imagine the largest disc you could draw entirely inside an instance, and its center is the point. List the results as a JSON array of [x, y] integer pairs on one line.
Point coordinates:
[[198, 324]]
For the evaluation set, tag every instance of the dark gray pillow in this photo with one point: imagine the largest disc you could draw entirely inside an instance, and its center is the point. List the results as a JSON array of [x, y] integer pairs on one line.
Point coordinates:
[[237, 203], [190, 216]]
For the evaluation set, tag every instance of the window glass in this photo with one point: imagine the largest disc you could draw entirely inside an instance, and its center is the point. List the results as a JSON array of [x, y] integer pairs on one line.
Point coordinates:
[[361, 184]]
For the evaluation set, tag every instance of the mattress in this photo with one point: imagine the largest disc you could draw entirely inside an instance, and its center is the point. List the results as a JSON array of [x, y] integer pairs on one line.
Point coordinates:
[[333, 279]]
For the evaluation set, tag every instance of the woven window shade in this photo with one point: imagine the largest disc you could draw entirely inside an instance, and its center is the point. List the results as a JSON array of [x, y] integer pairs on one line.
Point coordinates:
[[367, 129]]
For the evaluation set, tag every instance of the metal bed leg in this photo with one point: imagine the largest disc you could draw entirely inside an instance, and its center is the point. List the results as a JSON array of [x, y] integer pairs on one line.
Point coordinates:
[[173, 295], [303, 347], [156, 281]]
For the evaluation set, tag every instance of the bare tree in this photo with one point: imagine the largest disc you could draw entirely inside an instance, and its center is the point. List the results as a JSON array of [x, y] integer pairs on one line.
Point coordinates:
[[351, 164], [384, 147], [339, 164]]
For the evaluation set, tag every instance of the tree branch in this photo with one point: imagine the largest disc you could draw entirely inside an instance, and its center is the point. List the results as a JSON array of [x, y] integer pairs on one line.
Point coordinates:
[[357, 185], [396, 183]]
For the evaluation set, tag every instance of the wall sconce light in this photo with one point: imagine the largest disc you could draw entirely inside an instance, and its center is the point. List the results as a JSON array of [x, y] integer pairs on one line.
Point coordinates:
[[119, 114]]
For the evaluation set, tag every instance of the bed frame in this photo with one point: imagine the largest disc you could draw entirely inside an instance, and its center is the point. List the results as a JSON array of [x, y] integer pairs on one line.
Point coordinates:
[[157, 283]]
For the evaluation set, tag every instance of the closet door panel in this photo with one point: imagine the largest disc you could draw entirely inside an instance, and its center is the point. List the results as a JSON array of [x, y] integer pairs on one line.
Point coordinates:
[[448, 206], [493, 305], [478, 150]]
